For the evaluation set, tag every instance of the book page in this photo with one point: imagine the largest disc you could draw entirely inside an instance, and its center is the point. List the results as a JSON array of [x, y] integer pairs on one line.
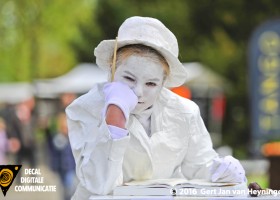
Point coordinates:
[[176, 182], [166, 182], [205, 183]]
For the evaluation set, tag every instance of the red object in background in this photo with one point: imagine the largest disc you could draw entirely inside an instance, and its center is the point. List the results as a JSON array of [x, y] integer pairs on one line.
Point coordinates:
[[218, 107], [182, 91]]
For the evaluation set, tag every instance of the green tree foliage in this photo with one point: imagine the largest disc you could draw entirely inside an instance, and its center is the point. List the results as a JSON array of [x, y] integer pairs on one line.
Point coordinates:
[[35, 37], [109, 14], [224, 29]]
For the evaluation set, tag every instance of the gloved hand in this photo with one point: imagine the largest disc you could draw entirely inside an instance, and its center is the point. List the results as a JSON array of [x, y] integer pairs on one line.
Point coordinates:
[[227, 169], [121, 95]]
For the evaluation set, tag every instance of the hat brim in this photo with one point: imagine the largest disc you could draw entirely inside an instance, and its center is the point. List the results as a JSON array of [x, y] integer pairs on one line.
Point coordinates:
[[104, 54]]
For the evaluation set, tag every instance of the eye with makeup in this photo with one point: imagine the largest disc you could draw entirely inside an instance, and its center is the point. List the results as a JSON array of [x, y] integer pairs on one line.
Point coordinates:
[[129, 78], [151, 84]]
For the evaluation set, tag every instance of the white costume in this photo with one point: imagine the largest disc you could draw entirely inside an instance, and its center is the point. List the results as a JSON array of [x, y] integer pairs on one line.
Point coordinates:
[[179, 146], [166, 135]]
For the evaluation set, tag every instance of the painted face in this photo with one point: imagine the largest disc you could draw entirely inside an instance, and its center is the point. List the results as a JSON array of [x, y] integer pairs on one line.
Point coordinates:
[[144, 76]]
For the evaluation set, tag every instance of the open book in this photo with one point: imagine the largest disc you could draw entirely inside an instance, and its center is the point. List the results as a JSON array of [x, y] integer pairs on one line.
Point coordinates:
[[180, 187]]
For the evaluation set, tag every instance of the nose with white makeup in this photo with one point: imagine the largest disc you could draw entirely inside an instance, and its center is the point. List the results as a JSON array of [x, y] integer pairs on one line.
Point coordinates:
[[138, 90]]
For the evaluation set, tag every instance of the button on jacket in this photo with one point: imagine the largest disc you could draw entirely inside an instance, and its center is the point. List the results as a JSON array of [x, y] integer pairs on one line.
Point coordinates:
[[179, 145]]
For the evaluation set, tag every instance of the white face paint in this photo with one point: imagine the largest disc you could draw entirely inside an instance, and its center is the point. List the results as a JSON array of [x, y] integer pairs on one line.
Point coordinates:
[[144, 76]]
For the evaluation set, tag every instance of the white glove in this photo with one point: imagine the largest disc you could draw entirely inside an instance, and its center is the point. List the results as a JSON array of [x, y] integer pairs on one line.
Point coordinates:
[[227, 169], [121, 95]]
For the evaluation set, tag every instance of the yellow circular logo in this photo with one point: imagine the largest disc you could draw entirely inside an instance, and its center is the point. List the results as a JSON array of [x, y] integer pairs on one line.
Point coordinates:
[[6, 177]]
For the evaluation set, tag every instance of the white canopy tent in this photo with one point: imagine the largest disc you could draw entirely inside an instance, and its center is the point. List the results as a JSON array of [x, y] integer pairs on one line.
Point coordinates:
[[13, 93], [81, 79], [203, 81]]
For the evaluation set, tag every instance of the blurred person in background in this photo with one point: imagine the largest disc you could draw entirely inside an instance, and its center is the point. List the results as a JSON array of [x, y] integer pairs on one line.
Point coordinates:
[[7, 145], [66, 99], [26, 119], [3, 142], [61, 158], [12, 129]]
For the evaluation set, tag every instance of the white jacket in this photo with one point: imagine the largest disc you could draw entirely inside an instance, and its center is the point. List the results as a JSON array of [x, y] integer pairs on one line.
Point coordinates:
[[180, 145]]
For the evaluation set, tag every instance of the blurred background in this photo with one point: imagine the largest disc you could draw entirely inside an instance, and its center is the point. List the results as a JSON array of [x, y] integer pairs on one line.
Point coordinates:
[[46, 61]]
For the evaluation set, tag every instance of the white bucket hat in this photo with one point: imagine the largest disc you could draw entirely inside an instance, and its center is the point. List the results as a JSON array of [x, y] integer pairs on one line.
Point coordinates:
[[149, 32]]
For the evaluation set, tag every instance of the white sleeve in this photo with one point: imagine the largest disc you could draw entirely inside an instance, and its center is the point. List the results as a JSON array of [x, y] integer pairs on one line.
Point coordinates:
[[199, 157], [98, 157]]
